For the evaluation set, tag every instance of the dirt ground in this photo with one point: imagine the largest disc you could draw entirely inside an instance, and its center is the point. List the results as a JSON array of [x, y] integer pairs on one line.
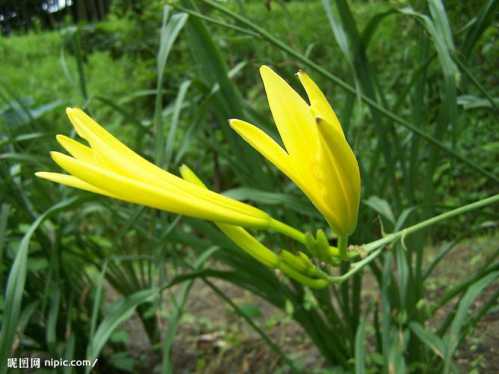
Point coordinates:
[[212, 339]]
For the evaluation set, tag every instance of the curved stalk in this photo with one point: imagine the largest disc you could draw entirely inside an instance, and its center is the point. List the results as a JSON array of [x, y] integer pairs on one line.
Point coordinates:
[[375, 248], [429, 222]]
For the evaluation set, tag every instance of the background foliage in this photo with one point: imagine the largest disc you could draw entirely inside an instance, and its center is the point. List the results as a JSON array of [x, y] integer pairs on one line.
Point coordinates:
[[75, 266]]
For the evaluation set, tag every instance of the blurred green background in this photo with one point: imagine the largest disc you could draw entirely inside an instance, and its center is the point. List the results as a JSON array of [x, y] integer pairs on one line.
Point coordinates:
[[88, 267]]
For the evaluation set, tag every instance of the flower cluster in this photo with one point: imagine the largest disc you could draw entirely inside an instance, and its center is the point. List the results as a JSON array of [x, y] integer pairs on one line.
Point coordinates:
[[316, 157]]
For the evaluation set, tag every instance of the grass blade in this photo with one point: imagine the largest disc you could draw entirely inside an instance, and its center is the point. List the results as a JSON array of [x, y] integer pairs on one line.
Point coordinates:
[[119, 312], [360, 350], [15, 285], [484, 19], [434, 342], [175, 118], [469, 297], [170, 29], [178, 304]]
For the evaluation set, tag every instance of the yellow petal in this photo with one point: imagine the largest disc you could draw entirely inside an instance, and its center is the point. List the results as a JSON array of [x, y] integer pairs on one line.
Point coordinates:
[[69, 180], [318, 101], [292, 116], [304, 177], [299, 133], [84, 124], [343, 163], [264, 144], [134, 191], [188, 175], [114, 155], [76, 149]]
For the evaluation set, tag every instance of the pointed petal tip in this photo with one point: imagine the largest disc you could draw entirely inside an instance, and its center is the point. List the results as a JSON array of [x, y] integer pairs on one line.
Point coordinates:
[[56, 156], [266, 71], [301, 73], [70, 110], [48, 175], [74, 111], [265, 68], [183, 168], [61, 138], [235, 123], [240, 126]]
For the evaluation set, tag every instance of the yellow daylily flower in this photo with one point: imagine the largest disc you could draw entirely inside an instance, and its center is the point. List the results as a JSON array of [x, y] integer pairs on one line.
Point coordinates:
[[110, 168], [316, 155]]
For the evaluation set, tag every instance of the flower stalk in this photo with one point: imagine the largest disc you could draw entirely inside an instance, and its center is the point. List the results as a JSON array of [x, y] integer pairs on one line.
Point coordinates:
[[342, 247]]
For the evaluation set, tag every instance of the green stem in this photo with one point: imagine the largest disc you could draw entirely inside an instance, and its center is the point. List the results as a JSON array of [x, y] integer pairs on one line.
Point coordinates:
[[429, 222], [79, 64], [375, 248], [287, 230], [470, 76], [342, 247], [373, 104]]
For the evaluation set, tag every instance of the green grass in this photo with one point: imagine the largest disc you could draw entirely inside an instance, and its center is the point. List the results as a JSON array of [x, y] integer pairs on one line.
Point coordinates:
[[42, 75]]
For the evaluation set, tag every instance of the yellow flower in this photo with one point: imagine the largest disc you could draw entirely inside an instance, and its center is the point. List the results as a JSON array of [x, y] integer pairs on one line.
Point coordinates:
[[110, 168], [316, 155]]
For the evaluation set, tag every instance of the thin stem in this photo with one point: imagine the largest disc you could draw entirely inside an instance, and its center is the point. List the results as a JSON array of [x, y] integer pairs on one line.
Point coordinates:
[[470, 76], [429, 222], [215, 21], [287, 230], [375, 248], [342, 247], [79, 64]]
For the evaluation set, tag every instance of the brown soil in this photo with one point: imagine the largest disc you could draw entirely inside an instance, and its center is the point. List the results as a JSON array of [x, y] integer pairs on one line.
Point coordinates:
[[213, 339]]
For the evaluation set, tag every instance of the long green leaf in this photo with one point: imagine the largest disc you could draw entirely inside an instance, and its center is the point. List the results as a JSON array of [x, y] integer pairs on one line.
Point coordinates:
[[453, 338], [484, 19], [175, 119], [170, 29], [15, 285], [213, 71], [4, 215], [119, 312], [432, 340], [360, 350]]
